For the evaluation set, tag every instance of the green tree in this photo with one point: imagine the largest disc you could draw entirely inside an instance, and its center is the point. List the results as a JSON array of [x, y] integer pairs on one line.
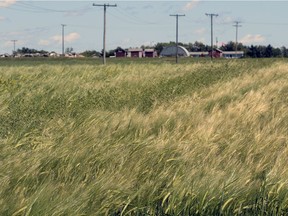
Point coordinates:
[[284, 51], [268, 51], [200, 47], [69, 50], [230, 46], [251, 52], [90, 53], [277, 52]]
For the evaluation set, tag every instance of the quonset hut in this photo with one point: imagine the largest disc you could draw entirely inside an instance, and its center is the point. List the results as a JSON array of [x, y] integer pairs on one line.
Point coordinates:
[[171, 51]]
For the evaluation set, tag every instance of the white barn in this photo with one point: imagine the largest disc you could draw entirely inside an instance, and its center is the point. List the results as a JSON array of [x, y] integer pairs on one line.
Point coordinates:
[[171, 51]]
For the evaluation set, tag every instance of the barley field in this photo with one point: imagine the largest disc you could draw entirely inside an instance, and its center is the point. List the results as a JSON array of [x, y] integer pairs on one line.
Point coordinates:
[[144, 138]]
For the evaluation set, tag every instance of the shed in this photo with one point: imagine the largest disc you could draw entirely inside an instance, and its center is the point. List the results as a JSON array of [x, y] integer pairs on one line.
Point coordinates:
[[135, 53], [119, 52], [217, 53], [150, 53]]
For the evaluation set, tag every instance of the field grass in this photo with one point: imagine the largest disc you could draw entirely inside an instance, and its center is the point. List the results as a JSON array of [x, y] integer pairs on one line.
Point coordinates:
[[143, 138]]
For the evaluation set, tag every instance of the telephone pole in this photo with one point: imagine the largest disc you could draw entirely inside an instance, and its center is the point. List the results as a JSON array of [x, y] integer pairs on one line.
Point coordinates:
[[177, 16], [14, 45], [104, 31], [211, 16], [237, 26], [63, 52]]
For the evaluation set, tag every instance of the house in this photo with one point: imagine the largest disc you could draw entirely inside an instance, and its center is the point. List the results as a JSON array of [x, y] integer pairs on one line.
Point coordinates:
[[217, 53], [135, 53], [150, 53], [120, 53], [233, 54], [171, 51]]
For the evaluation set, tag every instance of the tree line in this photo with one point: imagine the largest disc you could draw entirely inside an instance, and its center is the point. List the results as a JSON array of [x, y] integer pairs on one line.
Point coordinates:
[[252, 51], [259, 51]]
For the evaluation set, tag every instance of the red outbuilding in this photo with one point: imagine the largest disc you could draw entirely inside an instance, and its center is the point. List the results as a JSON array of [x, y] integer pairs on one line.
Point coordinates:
[[120, 53], [135, 53], [150, 53]]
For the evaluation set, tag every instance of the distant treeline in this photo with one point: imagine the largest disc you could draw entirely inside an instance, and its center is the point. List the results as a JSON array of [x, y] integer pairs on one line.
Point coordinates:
[[259, 51], [252, 51]]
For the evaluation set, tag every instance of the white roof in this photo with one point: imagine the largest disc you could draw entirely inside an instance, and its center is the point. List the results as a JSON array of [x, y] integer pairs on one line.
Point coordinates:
[[233, 52], [135, 50], [149, 50], [171, 51]]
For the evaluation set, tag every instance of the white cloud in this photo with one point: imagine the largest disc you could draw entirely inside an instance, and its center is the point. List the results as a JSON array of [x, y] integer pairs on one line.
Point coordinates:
[[149, 43], [249, 39], [7, 3], [72, 37], [57, 38], [190, 5], [67, 38], [2, 18], [9, 43], [200, 31], [202, 40], [44, 42]]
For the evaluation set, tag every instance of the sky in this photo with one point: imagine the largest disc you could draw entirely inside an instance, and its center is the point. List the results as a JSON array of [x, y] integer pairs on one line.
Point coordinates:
[[38, 24]]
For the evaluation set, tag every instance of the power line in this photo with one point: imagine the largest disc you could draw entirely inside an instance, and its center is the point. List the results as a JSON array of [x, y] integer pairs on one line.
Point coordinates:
[[126, 20], [32, 8], [237, 26], [135, 18], [262, 23], [130, 20], [14, 42], [63, 26], [104, 31], [177, 16], [211, 16]]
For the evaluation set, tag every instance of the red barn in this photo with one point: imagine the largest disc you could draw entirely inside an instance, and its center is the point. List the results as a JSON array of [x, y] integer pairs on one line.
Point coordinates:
[[120, 53], [150, 53], [135, 53], [217, 53]]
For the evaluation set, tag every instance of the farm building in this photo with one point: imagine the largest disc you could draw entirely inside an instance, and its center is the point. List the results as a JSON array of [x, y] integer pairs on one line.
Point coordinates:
[[150, 53], [217, 53], [199, 54], [119, 52], [233, 54], [5, 55], [171, 51], [135, 53]]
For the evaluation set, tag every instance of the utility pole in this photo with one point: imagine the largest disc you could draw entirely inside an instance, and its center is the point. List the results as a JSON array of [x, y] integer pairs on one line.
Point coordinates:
[[236, 43], [177, 16], [14, 45], [211, 16], [63, 52], [104, 31]]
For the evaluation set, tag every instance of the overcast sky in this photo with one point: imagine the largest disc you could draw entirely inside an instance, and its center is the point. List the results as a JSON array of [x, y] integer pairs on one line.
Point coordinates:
[[37, 24]]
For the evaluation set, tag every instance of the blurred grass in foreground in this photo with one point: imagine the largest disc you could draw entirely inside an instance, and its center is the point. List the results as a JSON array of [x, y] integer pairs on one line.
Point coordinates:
[[198, 138]]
